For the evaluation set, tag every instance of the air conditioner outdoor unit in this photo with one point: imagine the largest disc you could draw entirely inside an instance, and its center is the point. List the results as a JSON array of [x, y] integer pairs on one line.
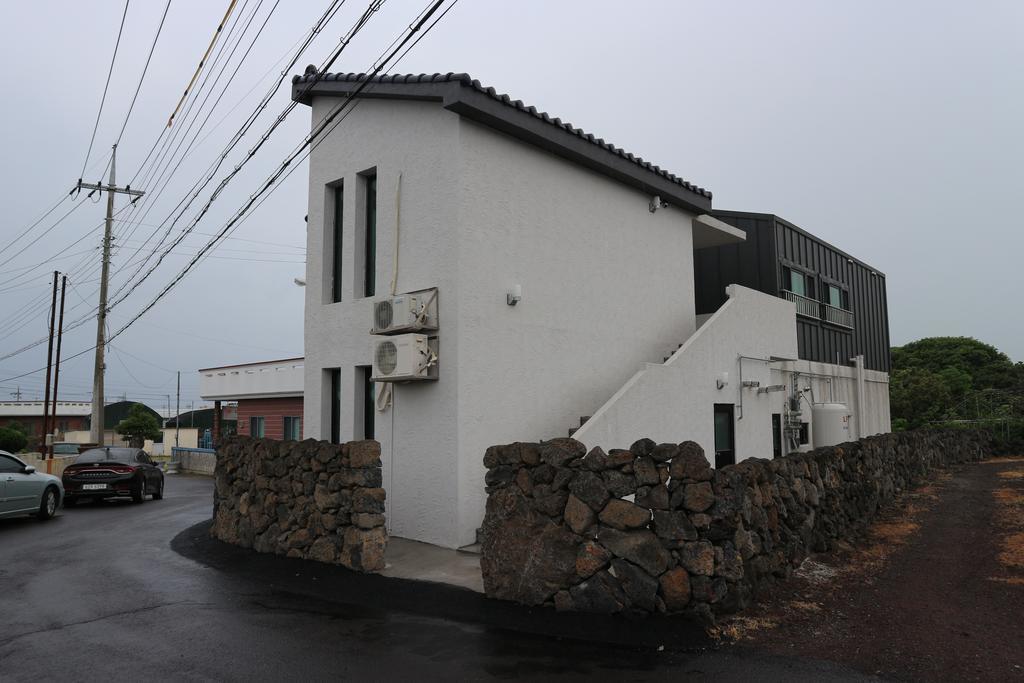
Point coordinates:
[[403, 358], [411, 312]]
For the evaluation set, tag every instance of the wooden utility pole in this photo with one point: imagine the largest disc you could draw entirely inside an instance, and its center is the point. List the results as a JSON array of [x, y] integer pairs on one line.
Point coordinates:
[[49, 361], [177, 411], [56, 366], [96, 429]]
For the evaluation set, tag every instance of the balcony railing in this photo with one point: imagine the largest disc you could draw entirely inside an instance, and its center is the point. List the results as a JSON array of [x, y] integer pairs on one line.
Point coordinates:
[[804, 305], [837, 316], [811, 308]]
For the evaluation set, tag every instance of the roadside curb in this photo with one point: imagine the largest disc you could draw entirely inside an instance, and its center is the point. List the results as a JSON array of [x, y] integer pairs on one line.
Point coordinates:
[[336, 584]]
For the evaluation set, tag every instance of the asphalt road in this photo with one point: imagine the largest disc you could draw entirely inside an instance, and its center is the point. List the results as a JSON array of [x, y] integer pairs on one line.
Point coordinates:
[[98, 593]]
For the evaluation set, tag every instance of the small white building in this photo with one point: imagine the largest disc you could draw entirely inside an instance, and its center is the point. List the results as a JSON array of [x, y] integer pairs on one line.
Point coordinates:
[[556, 274]]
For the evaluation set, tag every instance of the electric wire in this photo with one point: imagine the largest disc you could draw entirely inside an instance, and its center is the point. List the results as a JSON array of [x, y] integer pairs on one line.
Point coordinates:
[[193, 121], [120, 295], [318, 130], [202, 62], [145, 68], [282, 171], [197, 189], [103, 99]]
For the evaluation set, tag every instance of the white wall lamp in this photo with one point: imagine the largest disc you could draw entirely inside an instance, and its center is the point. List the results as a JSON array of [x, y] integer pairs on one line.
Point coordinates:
[[723, 381], [514, 295]]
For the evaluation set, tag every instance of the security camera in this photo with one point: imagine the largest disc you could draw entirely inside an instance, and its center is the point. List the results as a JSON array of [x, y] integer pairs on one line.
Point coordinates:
[[656, 204]]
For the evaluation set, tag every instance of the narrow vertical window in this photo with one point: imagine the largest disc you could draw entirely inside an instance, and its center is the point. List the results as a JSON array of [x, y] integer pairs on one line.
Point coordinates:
[[256, 427], [337, 256], [335, 399], [776, 435], [292, 429], [725, 435], [369, 396], [370, 236]]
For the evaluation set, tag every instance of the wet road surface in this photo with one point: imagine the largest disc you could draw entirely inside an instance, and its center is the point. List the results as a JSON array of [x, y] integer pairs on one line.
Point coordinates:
[[98, 593]]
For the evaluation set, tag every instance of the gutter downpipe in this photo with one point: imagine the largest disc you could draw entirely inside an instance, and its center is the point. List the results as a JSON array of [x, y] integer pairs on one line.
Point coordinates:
[[858, 362]]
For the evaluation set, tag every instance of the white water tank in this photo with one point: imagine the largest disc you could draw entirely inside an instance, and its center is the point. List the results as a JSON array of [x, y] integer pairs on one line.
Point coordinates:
[[831, 424]]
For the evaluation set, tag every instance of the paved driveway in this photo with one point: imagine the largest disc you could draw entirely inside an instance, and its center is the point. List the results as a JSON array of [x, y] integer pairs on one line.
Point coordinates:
[[97, 593]]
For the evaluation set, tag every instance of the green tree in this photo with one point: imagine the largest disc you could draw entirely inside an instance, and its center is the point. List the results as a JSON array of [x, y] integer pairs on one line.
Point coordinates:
[[947, 378], [12, 440], [917, 396], [138, 426]]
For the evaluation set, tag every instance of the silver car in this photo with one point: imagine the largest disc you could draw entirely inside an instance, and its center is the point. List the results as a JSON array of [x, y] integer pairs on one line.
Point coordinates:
[[23, 491]]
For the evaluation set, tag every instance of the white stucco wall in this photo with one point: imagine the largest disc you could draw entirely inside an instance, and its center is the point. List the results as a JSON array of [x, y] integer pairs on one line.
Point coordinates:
[[674, 401], [838, 383], [270, 379], [418, 435], [606, 285]]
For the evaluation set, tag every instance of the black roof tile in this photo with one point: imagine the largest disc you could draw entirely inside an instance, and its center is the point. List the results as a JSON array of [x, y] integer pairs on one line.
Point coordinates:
[[466, 80]]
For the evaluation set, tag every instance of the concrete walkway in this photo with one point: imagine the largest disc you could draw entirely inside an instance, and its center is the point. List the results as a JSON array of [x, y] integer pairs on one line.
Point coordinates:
[[407, 559]]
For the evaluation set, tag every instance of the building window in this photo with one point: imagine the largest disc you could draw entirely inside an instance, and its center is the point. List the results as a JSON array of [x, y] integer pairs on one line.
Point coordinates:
[[292, 429], [337, 195], [837, 297], [805, 433], [257, 427], [776, 435], [335, 401], [365, 410], [369, 233], [725, 435], [798, 282]]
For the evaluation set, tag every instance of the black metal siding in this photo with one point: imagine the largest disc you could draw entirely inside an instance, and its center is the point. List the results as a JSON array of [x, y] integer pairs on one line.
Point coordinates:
[[773, 243], [751, 264]]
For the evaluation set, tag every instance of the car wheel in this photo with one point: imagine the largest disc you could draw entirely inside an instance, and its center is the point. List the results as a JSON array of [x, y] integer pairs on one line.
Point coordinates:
[[139, 494], [159, 495], [48, 506]]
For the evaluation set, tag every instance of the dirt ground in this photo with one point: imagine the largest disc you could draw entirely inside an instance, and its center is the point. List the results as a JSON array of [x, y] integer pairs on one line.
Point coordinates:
[[935, 591]]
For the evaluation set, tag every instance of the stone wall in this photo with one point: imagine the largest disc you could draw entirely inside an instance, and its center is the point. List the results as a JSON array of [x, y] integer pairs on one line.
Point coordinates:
[[307, 499], [656, 529]]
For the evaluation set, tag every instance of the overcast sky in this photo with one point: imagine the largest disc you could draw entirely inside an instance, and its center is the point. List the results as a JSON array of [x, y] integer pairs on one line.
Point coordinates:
[[892, 130]]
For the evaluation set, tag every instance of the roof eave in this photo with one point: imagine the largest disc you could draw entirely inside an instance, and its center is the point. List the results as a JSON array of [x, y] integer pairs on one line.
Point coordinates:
[[475, 105], [479, 107]]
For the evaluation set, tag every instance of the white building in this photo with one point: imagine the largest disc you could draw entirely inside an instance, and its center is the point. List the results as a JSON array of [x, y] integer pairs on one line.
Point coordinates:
[[564, 275]]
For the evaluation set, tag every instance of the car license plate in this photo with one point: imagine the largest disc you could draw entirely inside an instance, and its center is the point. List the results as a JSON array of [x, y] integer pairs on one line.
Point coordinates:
[[93, 487]]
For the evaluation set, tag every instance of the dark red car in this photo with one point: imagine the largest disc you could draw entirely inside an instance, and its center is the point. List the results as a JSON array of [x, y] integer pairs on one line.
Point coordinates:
[[109, 472]]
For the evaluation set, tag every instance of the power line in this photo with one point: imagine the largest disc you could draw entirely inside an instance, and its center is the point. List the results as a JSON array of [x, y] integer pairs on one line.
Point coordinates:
[[202, 62], [321, 127], [105, 87], [45, 232], [144, 70], [38, 221], [184, 132], [283, 170], [201, 184], [373, 7]]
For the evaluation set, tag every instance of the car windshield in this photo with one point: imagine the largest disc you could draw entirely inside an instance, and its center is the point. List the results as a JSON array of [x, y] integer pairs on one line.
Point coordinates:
[[123, 455]]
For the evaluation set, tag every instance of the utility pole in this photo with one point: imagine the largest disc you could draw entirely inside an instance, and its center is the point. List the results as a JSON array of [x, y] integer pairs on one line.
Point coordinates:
[[177, 413], [96, 430], [16, 394], [56, 368], [49, 361]]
